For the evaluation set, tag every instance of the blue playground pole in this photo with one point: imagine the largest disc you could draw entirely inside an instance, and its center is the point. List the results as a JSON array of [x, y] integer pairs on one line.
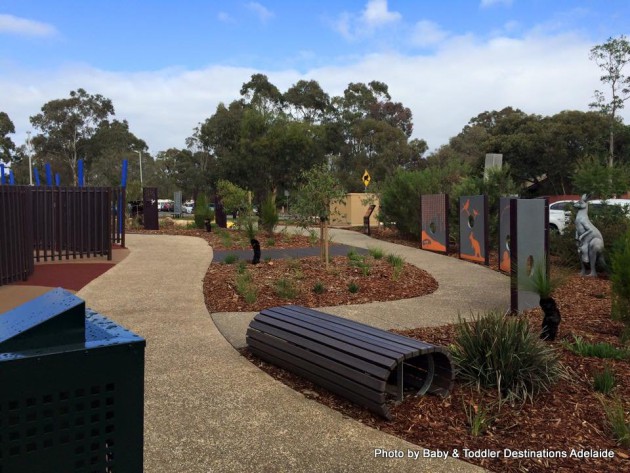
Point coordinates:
[[11, 177], [36, 175], [1, 174], [49, 181], [80, 172], [123, 184], [57, 179]]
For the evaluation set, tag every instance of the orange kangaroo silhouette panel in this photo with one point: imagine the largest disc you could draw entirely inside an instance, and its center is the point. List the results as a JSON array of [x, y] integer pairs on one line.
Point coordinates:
[[505, 262], [429, 243], [476, 246]]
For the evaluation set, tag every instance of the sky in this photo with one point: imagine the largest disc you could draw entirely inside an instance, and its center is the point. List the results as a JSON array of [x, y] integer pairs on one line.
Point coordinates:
[[166, 65]]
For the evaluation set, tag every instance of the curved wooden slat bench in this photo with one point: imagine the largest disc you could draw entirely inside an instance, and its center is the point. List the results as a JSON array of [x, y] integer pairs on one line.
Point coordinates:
[[361, 363]]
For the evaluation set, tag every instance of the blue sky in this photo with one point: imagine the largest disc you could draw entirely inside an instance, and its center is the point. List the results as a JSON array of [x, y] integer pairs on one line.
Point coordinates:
[[167, 64]]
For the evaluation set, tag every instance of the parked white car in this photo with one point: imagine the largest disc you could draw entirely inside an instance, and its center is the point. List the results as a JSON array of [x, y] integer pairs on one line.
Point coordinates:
[[560, 211], [188, 208]]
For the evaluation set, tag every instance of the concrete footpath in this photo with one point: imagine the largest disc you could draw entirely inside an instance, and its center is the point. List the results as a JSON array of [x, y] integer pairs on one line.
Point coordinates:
[[208, 409]]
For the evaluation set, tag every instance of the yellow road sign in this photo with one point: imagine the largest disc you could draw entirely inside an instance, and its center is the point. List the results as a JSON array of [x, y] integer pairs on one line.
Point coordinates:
[[366, 178]]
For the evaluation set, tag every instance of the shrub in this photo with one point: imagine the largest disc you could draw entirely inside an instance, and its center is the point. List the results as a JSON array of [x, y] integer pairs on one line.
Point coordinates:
[[241, 267], [269, 215], [312, 237], [501, 352], [319, 288], [202, 212], [285, 288], [598, 350], [604, 381], [620, 278], [230, 258], [271, 242], [353, 287]]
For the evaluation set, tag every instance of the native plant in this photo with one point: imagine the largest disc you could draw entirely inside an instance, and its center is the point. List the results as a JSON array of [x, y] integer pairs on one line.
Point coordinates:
[[604, 381], [620, 279], [269, 214], [493, 351], [615, 414]]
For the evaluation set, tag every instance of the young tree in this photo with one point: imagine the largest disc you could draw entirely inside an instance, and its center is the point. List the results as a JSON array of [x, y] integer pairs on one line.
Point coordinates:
[[68, 124], [319, 190], [612, 57]]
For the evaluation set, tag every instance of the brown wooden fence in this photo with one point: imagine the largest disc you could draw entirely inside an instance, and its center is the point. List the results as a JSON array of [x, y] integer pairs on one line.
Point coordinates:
[[54, 223], [16, 234]]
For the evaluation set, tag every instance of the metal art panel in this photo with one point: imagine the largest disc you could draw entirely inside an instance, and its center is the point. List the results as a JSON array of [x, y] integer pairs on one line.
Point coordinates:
[[178, 203], [473, 228], [504, 234], [530, 247], [434, 222], [150, 197], [72, 405]]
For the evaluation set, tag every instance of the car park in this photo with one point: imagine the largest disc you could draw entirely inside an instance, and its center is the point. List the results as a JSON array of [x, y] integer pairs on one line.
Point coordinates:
[[188, 208], [560, 211]]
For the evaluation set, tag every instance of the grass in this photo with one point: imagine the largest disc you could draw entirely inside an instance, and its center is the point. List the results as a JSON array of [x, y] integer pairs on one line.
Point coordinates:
[[241, 267], [376, 253], [285, 288], [494, 351], [230, 258], [479, 418], [226, 237], [598, 350], [319, 288], [353, 287], [271, 242], [398, 264], [245, 287], [312, 237], [604, 381], [617, 421]]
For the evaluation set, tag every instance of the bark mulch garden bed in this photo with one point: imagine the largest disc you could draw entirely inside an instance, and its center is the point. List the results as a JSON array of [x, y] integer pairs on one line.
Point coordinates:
[[568, 419]]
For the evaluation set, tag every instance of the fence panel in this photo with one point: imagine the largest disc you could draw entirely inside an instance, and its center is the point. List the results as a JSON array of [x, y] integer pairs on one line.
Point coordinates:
[[16, 256]]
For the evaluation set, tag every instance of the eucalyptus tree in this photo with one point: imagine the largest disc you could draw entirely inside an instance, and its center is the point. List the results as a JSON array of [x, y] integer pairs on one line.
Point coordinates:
[[7, 147], [66, 126], [612, 57]]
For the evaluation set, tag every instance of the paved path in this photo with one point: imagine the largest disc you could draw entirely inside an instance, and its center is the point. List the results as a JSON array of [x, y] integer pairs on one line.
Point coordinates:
[[463, 287], [208, 409]]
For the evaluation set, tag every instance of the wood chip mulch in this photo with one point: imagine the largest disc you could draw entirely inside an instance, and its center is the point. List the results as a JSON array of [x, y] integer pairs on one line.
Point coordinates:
[[379, 285], [568, 420]]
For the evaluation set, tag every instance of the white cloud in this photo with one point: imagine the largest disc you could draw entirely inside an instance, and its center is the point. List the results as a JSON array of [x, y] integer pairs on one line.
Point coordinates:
[[22, 26], [263, 13], [427, 33], [377, 14], [491, 3], [353, 26], [541, 74]]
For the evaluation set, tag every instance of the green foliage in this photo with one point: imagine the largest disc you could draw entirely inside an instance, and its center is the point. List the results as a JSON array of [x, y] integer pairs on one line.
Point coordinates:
[[241, 267], [245, 287], [269, 214], [6, 144], [230, 258], [319, 288], [271, 242], [502, 353], [615, 415], [319, 190], [398, 265], [247, 223], [479, 417], [285, 288], [604, 381], [353, 287], [620, 278], [598, 350], [202, 212], [233, 197], [593, 176], [376, 253], [312, 237], [541, 282]]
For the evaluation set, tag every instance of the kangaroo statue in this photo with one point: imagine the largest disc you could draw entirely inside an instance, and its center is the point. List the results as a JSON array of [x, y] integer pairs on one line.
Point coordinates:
[[589, 239]]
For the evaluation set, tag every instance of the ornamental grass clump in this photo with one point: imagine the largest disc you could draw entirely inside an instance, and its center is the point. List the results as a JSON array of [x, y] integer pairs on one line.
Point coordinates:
[[494, 351]]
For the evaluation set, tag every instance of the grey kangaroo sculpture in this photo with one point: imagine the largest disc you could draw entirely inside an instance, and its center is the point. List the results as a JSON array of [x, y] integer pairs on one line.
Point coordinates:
[[589, 239]]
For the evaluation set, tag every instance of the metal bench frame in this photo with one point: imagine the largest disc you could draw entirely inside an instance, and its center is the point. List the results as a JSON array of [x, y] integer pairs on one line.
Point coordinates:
[[366, 365]]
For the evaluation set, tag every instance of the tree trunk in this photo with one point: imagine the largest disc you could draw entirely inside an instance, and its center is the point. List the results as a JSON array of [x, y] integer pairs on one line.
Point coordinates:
[[321, 239], [611, 151], [326, 243]]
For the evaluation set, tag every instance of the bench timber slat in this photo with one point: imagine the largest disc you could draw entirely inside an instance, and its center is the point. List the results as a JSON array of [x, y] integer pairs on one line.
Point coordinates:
[[364, 364]]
